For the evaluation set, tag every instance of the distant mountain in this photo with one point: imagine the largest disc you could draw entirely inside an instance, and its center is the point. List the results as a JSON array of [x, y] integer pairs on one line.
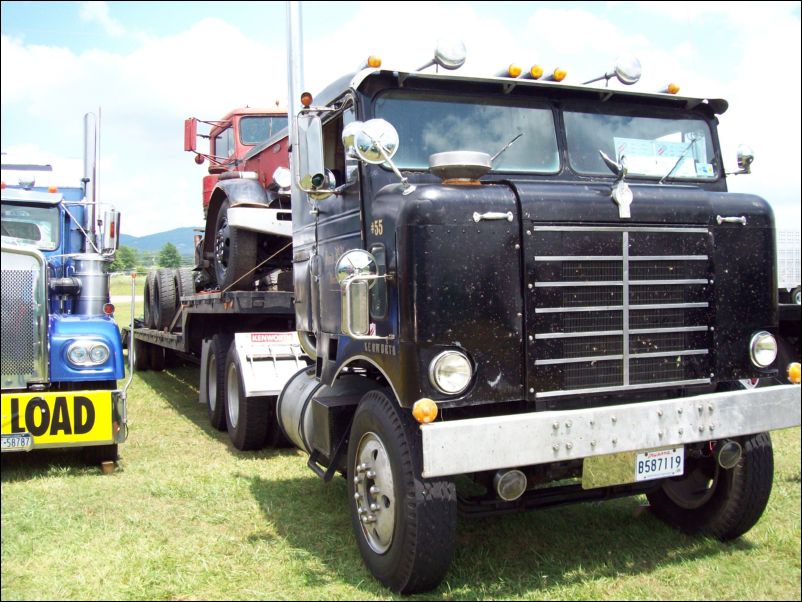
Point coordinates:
[[182, 238]]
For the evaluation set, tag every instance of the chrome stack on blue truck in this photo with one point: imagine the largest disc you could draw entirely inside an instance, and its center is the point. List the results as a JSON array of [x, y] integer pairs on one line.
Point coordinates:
[[62, 354]]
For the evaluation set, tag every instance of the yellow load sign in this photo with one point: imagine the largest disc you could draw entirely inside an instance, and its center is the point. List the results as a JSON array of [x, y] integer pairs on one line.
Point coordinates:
[[56, 419]]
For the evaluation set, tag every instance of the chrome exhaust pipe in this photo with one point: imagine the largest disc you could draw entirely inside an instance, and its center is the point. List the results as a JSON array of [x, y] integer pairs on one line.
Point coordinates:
[[729, 454], [509, 484]]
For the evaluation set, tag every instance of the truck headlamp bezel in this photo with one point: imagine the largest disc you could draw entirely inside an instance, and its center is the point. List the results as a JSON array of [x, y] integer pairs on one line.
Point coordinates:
[[450, 372], [763, 349], [87, 352]]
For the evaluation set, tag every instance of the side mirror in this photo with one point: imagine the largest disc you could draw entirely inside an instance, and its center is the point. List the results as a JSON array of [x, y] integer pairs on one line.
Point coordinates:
[[312, 175], [111, 231], [190, 134], [449, 54], [375, 141], [282, 178], [745, 158]]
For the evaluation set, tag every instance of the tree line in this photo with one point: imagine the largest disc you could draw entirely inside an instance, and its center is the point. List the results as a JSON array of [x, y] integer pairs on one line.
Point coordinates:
[[127, 259]]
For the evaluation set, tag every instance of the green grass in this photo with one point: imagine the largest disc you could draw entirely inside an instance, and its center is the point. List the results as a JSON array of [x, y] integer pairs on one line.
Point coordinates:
[[121, 285], [185, 516]]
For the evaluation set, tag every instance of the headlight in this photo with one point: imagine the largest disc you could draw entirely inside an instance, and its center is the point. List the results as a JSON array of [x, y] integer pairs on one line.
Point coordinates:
[[87, 353], [450, 372], [763, 349]]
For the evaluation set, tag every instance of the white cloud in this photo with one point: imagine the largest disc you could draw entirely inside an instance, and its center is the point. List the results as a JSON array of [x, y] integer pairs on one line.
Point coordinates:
[[98, 12]]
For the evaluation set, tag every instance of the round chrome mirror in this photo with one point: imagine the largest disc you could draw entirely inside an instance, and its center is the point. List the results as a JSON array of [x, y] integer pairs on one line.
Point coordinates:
[[376, 141], [628, 69], [349, 133], [450, 54], [282, 178], [356, 262]]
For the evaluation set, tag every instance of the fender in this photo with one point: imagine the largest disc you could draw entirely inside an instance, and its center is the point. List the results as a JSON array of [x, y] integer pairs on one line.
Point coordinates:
[[238, 191]]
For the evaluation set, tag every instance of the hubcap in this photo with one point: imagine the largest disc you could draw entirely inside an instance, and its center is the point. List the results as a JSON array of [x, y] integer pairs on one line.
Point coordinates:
[[374, 494], [211, 379], [232, 390]]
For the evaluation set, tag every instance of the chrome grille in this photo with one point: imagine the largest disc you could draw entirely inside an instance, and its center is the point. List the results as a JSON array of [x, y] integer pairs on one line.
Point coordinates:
[[617, 308], [23, 335]]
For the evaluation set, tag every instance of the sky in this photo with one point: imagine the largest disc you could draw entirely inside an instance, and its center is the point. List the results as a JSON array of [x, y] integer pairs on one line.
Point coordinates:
[[149, 65]]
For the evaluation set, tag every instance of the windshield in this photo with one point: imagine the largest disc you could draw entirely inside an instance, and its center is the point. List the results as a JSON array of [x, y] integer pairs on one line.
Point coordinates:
[[434, 125], [34, 225], [256, 129], [652, 146]]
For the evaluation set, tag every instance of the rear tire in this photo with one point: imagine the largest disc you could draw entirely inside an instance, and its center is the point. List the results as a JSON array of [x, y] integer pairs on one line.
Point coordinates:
[[185, 283], [235, 252], [247, 418], [164, 299], [710, 500], [216, 380], [404, 524], [150, 283], [156, 357], [141, 355]]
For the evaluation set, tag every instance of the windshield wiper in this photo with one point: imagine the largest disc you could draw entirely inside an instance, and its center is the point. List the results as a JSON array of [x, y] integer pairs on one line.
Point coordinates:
[[506, 146], [682, 157]]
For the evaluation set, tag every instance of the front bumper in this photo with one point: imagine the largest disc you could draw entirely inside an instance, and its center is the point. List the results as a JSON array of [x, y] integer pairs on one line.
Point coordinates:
[[477, 444]]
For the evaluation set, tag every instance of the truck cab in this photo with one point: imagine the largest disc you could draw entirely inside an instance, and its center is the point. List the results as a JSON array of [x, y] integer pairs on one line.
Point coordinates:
[[544, 287], [62, 354]]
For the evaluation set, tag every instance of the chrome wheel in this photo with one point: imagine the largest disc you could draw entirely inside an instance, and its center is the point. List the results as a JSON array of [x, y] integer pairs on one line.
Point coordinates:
[[211, 381], [232, 394], [374, 492]]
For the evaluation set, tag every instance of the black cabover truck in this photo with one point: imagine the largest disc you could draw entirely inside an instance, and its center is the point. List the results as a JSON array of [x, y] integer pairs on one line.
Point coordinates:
[[543, 287]]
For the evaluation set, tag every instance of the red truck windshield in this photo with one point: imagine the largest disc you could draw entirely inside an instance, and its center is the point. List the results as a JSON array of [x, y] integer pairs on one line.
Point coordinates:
[[258, 128]]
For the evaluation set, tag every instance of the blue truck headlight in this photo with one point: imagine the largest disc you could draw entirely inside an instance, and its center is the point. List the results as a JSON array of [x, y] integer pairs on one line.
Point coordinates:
[[450, 372], [763, 349], [84, 353]]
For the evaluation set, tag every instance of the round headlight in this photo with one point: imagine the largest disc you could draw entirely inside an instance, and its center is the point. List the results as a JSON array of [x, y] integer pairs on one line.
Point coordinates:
[[763, 349], [78, 354], [450, 372], [99, 353]]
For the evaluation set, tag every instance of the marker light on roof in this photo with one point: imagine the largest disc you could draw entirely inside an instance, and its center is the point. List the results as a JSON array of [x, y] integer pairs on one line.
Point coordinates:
[[557, 75], [670, 89], [512, 70], [374, 61], [535, 72]]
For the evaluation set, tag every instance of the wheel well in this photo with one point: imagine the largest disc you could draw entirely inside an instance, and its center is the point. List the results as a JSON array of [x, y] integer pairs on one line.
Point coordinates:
[[217, 199], [371, 370]]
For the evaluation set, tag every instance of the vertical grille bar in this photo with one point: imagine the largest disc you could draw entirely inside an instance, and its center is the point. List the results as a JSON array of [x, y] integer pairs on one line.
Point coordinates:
[[625, 295]]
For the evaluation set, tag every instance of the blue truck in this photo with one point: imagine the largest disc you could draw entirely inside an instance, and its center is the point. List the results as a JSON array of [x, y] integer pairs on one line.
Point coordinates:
[[62, 355]]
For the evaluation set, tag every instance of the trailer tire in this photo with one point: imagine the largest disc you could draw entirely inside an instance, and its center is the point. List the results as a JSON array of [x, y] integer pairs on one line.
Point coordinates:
[[247, 418], [796, 295], [185, 284], [164, 299], [409, 542], [150, 283], [216, 380], [235, 252], [724, 504], [156, 357], [141, 355]]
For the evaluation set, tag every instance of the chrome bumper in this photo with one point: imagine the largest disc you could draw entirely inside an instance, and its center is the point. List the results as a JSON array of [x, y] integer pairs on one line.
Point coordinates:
[[465, 446]]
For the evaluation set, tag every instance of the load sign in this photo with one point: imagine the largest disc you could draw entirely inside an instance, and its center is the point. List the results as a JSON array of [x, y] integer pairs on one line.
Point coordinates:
[[56, 419]]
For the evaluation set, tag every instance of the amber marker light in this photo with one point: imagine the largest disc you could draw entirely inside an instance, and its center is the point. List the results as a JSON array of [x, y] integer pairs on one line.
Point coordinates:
[[794, 373], [536, 72], [374, 61], [514, 70], [306, 99], [671, 89], [2, 185], [559, 74], [424, 410], [52, 188]]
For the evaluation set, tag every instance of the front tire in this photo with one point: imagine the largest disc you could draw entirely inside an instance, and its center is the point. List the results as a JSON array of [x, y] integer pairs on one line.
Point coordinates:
[[216, 380], [235, 252], [404, 524], [710, 500]]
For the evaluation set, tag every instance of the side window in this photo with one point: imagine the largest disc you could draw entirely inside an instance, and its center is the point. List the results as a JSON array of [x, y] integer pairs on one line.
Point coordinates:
[[334, 158]]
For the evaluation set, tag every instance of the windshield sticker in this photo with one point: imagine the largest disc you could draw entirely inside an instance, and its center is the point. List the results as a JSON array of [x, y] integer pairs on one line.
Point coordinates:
[[684, 159]]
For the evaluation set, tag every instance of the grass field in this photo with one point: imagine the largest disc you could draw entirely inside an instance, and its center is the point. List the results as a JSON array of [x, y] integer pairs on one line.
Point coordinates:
[[186, 516]]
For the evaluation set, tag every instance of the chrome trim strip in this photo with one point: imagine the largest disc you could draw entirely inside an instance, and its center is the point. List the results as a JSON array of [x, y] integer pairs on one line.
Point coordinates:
[[552, 284], [571, 335], [617, 229], [672, 306], [578, 258], [557, 310], [668, 258], [669, 282], [665, 384], [671, 353], [578, 360], [680, 329]]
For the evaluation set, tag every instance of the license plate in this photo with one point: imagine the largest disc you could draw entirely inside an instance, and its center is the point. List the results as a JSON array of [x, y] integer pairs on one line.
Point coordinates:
[[56, 419], [18, 442], [659, 464]]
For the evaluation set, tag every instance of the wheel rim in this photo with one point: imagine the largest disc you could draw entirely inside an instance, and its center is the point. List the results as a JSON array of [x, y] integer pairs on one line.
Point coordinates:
[[221, 245], [696, 488], [211, 381], [374, 493], [232, 390]]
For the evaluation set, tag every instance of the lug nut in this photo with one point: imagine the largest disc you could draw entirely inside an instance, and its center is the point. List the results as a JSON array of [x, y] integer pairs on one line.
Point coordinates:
[[374, 490]]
